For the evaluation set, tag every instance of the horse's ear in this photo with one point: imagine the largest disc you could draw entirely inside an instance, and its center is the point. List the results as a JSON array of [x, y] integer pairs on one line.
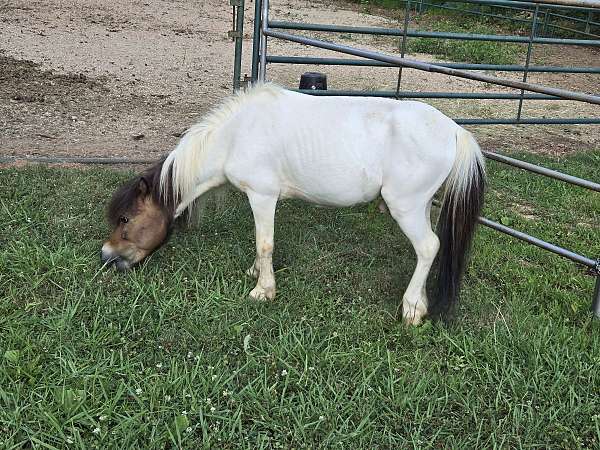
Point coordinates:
[[143, 187]]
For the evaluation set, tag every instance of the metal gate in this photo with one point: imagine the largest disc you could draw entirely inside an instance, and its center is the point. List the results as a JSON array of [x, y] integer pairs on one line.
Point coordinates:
[[540, 12]]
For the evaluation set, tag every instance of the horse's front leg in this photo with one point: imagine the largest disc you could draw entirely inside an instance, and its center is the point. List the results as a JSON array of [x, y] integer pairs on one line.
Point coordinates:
[[253, 270], [263, 209]]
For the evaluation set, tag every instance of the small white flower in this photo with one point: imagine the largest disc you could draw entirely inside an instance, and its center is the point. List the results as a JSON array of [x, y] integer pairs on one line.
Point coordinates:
[[188, 429], [321, 417], [168, 398], [208, 401], [160, 347], [190, 355], [184, 413], [284, 373], [311, 368], [96, 430], [102, 418], [138, 391], [69, 441], [214, 377], [226, 393], [213, 409], [159, 366]]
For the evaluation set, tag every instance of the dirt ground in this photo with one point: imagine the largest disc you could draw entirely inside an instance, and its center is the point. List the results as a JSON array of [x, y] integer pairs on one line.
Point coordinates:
[[106, 78]]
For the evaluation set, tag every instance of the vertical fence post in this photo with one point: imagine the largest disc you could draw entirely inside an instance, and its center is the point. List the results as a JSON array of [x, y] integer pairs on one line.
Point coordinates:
[[529, 46], [545, 26], [256, 39], [596, 300], [403, 44], [264, 23], [587, 23], [238, 36]]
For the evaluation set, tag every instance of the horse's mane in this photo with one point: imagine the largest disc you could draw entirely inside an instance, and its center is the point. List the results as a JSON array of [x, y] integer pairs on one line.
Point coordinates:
[[180, 168], [125, 198]]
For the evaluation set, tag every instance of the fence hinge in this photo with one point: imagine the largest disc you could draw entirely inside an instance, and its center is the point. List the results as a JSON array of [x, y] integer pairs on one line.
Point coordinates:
[[245, 83], [234, 34], [235, 2], [595, 271]]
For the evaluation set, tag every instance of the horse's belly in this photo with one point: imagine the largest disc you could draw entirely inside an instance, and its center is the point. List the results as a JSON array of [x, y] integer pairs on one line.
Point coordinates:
[[333, 187]]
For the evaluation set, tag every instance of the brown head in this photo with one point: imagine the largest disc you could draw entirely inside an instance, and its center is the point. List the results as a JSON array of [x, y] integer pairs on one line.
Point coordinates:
[[140, 218]]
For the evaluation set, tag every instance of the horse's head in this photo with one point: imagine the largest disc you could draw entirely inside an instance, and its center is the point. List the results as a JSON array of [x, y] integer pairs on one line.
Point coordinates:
[[140, 219]]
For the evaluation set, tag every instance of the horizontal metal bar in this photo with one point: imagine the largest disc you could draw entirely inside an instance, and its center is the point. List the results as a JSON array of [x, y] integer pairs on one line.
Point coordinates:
[[530, 121], [419, 94], [574, 3], [579, 5], [477, 13], [576, 257], [407, 62], [463, 66], [571, 30], [426, 34], [516, 19], [73, 160], [581, 182], [538, 242], [574, 19]]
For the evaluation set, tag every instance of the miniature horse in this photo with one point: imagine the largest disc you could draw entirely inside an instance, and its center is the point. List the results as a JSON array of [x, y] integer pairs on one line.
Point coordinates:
[[274, 144]]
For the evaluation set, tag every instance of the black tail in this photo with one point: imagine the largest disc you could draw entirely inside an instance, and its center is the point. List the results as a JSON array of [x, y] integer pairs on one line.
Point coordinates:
[[463, 201]]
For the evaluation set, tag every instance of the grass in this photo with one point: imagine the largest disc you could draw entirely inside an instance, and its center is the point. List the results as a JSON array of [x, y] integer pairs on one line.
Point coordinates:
[[173, 354], [458, 50], [487, 52]]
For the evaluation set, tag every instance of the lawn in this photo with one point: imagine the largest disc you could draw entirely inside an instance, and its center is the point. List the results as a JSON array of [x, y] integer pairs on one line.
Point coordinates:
[[174, 354]]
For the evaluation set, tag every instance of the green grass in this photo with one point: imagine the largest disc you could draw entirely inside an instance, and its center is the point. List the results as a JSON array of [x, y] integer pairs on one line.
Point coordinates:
[[487, 52], [173, 354], [459, 50]]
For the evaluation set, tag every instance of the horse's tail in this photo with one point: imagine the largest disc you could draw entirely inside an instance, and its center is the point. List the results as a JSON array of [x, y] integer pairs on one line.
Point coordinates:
[[461, 205]]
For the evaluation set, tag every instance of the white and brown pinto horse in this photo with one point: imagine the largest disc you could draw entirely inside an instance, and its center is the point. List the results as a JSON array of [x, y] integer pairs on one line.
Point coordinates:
[[274, 144]]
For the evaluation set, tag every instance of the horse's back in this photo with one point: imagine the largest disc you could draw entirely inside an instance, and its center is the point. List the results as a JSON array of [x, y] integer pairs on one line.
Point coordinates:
[[337, 150]]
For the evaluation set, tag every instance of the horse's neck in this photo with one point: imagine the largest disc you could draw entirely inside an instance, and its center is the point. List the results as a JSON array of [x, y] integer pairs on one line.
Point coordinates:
[[209, 174]]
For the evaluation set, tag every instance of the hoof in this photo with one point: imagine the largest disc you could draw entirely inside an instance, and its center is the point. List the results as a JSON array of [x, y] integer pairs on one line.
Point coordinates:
[[413, 316], [260, 293], [382, 207]]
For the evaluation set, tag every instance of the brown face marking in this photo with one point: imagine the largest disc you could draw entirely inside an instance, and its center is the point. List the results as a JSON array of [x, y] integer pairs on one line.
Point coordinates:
[[141, 221], [143, 231]]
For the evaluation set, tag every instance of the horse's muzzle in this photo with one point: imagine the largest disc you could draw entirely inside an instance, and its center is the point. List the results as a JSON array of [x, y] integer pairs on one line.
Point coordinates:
[[108, 259]]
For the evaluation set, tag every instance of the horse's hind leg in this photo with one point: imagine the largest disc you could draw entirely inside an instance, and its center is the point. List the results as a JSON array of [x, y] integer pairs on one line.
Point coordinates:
[[263, 209], [413, 218]]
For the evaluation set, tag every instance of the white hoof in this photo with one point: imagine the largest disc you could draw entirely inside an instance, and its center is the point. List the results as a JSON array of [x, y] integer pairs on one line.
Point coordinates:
[[413, 316], [382, 207], [260, 293]]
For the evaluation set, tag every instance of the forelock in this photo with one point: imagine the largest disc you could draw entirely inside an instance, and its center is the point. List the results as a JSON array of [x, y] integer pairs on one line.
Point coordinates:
[[125, 199]]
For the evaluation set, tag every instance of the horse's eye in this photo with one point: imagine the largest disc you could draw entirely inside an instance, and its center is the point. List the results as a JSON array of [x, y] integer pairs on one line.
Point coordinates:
[[123, 219]]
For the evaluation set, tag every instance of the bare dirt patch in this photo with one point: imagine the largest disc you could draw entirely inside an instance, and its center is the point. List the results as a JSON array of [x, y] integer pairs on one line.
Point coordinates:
[[104, 78]]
